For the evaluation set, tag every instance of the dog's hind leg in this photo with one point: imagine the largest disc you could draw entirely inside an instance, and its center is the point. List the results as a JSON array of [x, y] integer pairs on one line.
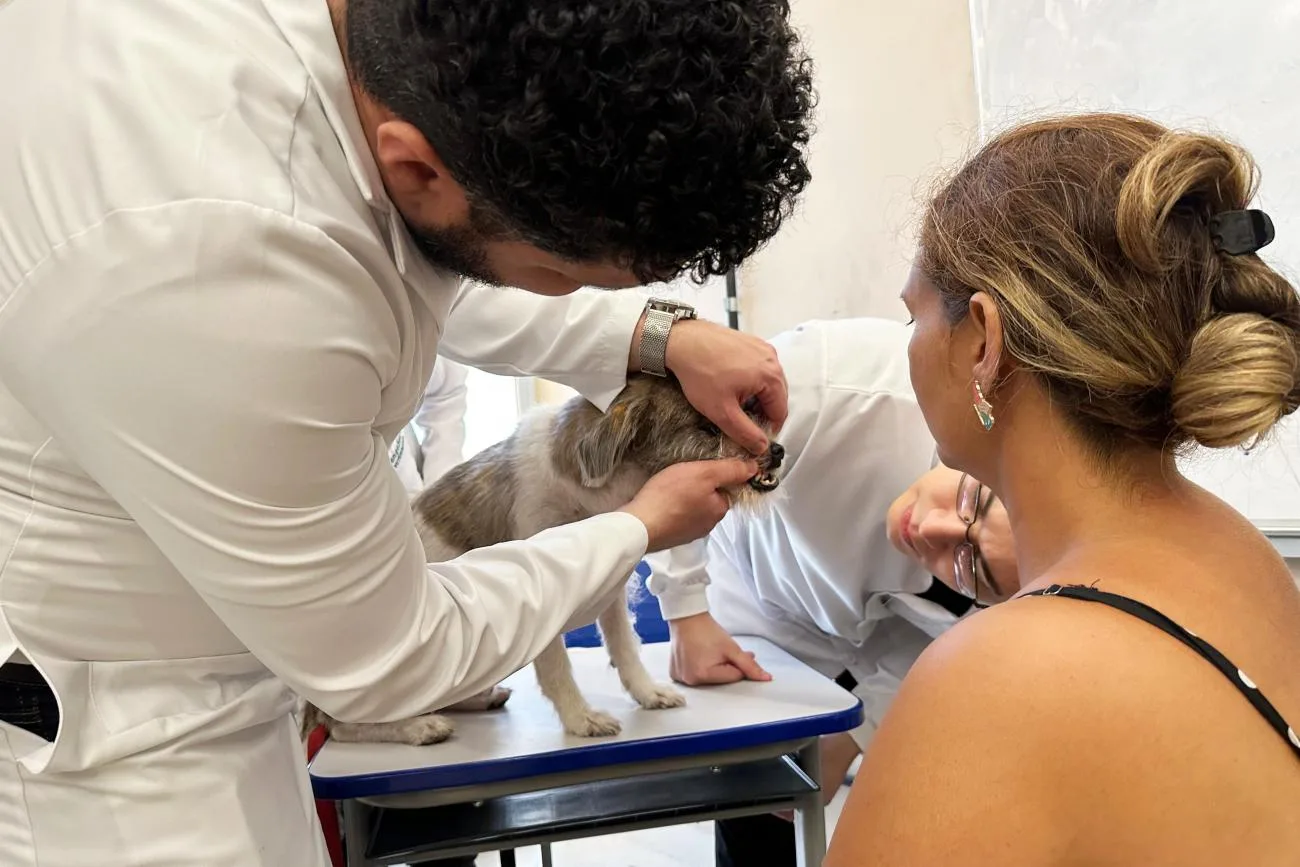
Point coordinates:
[[309, 718], [417, 731], [489, 699], [430, 728], [555, 677], [624, 652]]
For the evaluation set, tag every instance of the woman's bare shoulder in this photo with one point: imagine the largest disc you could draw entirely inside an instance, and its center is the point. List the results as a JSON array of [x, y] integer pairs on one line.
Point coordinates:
[[1043, 654], [1016, 700], [1029, 651]]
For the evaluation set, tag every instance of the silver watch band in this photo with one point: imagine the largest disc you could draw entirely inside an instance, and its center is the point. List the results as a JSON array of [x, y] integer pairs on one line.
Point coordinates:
[[659, 318]]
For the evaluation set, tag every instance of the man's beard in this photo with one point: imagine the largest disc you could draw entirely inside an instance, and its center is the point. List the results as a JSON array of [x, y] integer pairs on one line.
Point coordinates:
[[460, 249]]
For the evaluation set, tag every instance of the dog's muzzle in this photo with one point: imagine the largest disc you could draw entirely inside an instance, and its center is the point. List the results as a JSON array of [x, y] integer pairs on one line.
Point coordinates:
[[766, 479]]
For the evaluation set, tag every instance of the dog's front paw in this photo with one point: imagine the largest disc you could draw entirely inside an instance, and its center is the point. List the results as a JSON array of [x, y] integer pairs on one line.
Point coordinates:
[[428, 729], [659, 696], [593, 724]]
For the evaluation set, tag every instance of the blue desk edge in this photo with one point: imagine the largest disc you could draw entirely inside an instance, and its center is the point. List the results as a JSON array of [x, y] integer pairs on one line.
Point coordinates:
[[585, 757]]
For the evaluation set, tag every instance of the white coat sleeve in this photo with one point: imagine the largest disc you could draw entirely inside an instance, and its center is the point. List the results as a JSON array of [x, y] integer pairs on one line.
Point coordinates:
[[882, 663], [581, 340], [218, 369], [679, 578], [441, 420], [402, 455]]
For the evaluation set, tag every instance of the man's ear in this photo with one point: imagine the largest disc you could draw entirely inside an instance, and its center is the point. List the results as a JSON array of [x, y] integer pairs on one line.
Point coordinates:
[[985, 321], [413, 171], [602, 450]]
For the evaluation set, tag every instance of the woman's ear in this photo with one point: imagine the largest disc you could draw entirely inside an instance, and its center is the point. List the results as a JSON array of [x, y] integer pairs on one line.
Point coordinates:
[[985, 318]]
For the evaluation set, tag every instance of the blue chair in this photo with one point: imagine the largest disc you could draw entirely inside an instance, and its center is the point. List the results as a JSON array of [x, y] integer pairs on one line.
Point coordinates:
[[649, 620]]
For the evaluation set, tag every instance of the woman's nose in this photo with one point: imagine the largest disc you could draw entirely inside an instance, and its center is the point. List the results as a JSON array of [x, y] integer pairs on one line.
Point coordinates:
[[942, 531]]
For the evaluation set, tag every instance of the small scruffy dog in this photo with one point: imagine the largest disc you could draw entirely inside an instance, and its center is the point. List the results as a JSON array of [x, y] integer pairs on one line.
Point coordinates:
[[563, 464]]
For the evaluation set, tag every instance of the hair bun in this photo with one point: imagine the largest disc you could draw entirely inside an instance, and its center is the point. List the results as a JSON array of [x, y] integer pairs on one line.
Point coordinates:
[[1092, 234], [1182, 176], [1239, 379]]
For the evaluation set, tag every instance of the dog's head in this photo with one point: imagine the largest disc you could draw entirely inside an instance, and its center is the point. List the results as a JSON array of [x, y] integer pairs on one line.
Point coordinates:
[[651, 425]]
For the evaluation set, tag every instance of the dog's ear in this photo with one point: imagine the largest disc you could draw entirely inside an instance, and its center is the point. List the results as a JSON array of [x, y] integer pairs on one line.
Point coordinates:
[[606, 444]]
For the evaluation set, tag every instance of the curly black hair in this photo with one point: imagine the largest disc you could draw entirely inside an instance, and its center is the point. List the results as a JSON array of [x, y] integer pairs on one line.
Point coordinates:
[[664, 135]]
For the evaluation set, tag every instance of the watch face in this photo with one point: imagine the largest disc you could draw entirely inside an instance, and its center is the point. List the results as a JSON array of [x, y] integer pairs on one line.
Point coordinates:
[[678, 309]]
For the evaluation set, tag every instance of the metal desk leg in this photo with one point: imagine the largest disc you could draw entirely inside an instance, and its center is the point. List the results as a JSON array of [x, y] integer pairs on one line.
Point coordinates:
[[546, 855], [507, 857], [354, 834], [810, 815]]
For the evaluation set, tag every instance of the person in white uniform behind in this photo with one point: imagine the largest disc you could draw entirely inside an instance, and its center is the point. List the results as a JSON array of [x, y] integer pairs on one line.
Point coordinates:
[[853, 567], [232, 242], [434, 441]]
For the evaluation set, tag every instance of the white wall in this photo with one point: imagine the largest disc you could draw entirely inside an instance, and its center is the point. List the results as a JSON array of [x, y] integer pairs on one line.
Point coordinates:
[[897, 101], [708, 299], [1229, 67]]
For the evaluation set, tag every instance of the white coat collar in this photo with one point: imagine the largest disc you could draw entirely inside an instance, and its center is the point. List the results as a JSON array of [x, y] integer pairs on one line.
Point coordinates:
[[309, 29]]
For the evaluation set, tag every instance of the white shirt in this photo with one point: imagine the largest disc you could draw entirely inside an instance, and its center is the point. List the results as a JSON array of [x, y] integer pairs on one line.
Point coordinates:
[[434, 441], [440, 420], [212, 324], [814, 572]]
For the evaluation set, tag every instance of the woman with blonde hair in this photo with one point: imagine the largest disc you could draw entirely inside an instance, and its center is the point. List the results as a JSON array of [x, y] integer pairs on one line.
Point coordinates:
[[1088, 301]]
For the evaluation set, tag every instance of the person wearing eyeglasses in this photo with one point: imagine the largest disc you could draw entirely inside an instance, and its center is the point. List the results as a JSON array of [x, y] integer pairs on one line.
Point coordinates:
[[956, 528], [841, 570]]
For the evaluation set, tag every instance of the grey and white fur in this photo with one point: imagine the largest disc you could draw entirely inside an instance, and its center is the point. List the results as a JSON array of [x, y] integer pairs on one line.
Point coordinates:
[[563, 464]]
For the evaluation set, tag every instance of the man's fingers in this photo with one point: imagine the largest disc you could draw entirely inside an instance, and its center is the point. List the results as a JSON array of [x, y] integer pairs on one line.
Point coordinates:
[[724, 672], [774, 402], [749, 666], [732, 471], [742, 429]]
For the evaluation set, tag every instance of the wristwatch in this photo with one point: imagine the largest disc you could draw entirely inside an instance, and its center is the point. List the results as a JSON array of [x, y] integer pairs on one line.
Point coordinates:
[[660, 314]]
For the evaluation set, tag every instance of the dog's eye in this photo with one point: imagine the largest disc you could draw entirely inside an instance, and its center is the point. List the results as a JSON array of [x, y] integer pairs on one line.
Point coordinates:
[[754, 409], [710, 428]]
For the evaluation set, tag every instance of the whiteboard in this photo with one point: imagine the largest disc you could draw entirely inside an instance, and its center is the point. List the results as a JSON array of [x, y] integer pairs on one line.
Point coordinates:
[[1228, 67]]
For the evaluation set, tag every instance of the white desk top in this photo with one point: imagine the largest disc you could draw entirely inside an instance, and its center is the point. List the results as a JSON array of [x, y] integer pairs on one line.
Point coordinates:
[[525, 739]]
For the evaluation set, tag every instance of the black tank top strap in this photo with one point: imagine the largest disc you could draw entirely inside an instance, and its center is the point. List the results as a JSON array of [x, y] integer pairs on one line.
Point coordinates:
[[1209, 652]]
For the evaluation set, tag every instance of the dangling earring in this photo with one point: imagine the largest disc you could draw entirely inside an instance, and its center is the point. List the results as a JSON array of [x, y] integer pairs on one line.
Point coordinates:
[[983, 408]]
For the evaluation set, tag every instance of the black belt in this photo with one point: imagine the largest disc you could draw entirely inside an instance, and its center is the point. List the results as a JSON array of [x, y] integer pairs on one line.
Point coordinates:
[[941, 594], [21, 672], [27, 701]]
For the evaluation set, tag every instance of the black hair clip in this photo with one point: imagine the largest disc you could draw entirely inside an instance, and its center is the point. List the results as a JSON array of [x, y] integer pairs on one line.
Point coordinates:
[[1240, 232]]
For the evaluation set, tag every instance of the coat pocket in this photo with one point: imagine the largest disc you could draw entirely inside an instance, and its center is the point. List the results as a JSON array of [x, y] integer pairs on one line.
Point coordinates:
[[130, 693]]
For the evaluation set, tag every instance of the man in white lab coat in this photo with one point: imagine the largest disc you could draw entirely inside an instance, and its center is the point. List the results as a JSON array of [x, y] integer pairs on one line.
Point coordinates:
[[228, 259], [828, 573]]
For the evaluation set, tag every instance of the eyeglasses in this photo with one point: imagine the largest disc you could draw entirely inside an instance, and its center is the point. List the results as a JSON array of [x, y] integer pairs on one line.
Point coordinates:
[[965, 557]]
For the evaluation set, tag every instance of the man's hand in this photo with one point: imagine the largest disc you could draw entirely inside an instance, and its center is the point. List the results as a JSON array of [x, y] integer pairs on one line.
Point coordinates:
[[721, 369], [703, 652], [685, 501]]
